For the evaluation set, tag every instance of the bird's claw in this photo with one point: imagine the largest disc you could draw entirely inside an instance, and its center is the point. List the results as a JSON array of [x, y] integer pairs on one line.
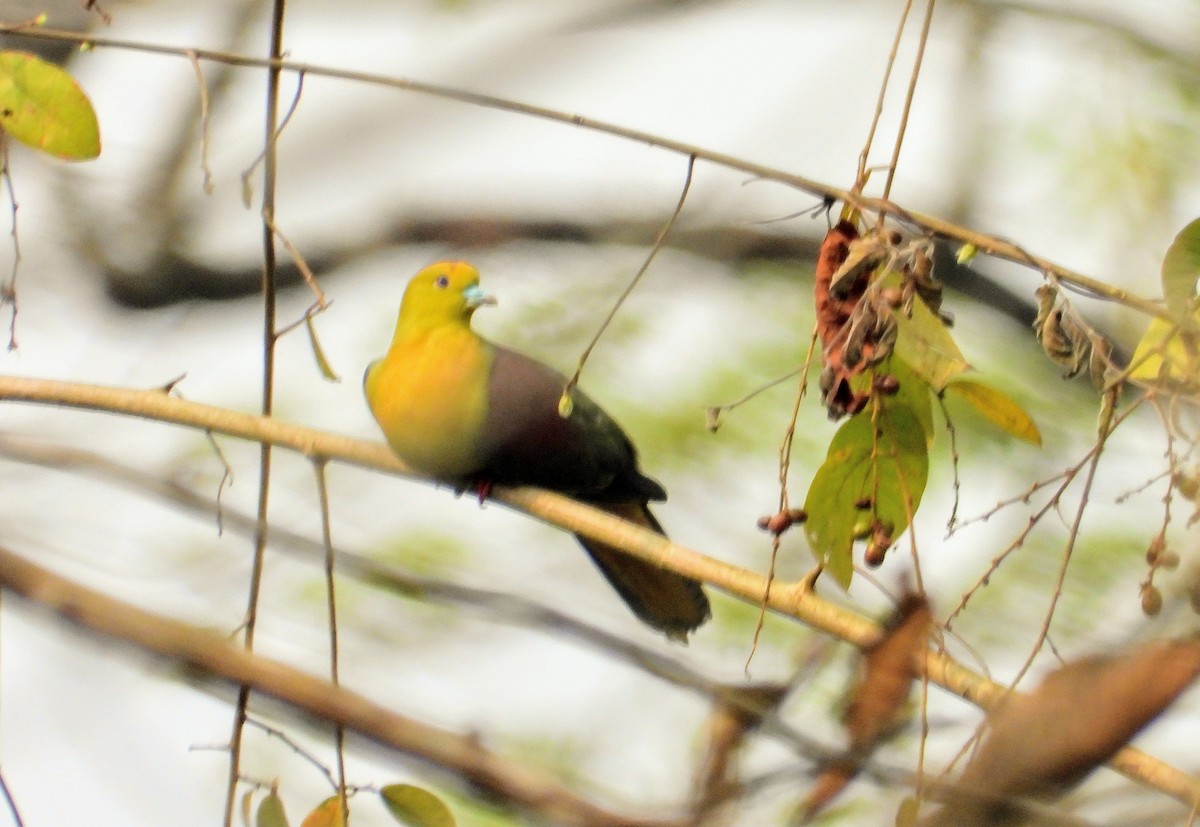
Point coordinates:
[[481, 488]]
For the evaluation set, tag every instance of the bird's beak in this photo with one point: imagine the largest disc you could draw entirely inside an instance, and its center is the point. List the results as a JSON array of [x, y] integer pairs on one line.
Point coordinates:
[[475, 297]]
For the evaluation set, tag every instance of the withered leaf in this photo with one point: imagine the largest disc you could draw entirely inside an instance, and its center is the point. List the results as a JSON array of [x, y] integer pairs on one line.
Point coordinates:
[[863, 255], [832, 312], [1063, 338], [886, 675], [1043, 743], [736, 712]]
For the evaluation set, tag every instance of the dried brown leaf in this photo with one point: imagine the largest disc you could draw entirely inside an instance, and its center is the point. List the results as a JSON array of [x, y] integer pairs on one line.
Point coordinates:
[[829, 784], [735, 713], [886, 676], [1043, 743]]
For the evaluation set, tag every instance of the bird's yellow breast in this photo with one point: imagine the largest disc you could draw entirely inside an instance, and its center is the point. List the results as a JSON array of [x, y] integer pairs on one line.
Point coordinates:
[[429, 395]]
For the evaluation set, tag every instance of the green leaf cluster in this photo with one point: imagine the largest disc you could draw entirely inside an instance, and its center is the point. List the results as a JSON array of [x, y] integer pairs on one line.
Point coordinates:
[[877, 465], [874, 473]]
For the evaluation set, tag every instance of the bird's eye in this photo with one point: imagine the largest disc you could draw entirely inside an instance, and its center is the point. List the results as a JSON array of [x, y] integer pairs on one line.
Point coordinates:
[[442, 281]]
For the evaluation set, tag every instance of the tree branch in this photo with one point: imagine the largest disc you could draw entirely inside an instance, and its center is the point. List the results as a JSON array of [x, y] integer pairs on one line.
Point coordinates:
[[792, 599], [992, 245], [211, 653]]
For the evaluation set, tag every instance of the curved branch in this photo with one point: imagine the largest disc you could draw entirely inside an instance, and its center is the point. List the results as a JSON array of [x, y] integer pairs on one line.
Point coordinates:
[[796, 600], [497, 606], [210, 652], [992, 245]]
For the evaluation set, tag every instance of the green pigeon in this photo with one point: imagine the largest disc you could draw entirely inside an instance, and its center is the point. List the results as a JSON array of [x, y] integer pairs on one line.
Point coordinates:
[[460, 409]]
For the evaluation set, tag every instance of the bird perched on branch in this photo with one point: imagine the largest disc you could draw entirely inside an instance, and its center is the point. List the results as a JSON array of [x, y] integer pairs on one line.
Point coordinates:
[[460, 409]]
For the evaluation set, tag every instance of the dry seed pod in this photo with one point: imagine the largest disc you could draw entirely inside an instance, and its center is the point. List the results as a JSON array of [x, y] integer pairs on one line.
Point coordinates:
[[712, 419], [886, 384], [1152, 601], [1065, 340], [1188, 485], [893, 297], [866, 253], [1155, 549], [1047, 297], [923, 281], [783, 520], [1100, 366], [882, 536]]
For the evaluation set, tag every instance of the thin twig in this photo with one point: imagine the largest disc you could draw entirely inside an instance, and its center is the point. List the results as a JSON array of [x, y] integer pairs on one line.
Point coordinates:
[[226, 477], [992, 245], [301, 266], [6, 793], [714, 412], [8, 290], [952, 521], [658, 245], [339, 732], [1067, 477], [294, 747], [908, 98], [268, 394], [860, 177], [785, 464], [1107, 425], [272, 142], [205, 170]]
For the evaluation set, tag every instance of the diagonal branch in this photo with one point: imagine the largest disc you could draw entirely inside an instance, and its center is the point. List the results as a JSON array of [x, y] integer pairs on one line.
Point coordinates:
[[992, 245], [793, 599], [210, 652]]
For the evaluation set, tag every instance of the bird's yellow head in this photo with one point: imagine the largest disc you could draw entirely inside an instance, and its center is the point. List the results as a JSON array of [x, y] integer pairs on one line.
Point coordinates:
[[447, 292]]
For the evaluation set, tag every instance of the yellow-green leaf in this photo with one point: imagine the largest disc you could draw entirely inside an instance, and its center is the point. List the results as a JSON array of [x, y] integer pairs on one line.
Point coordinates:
[[327, 814], [998, 408], [925, 343], [1168, 356], [43, 107], [913, 394], [875, 470], [907, 812], [1181, 268], [247, 803], [416, 807], [270, 812]]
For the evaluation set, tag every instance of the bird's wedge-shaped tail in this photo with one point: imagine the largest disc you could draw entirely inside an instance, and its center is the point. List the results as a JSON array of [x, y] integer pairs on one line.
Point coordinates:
[[667, 601]]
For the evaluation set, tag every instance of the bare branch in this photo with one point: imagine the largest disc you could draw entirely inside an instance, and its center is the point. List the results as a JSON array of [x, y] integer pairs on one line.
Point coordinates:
[[210, 652], [793, 599], [992, 245]]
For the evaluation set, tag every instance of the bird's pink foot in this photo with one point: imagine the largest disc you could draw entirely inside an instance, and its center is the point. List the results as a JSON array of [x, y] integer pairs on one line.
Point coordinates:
[[481, 487]]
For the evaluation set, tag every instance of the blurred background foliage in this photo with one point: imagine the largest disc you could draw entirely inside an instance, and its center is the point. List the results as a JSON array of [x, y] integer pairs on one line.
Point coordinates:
[[1068, 127]]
